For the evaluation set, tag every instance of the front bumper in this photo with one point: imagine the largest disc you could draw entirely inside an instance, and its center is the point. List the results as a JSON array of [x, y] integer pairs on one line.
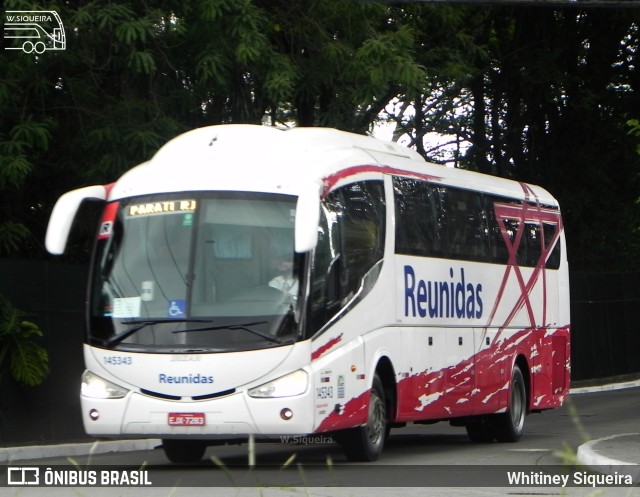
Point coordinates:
[[235, 415]]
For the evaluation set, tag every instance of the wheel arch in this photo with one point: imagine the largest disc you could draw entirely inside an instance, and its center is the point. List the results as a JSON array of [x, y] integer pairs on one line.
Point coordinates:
[[522, 362], [385, 371]]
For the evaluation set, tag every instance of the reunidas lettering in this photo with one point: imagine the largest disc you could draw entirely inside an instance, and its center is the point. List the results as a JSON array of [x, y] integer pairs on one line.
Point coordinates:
[[441, 299], [189, 379]]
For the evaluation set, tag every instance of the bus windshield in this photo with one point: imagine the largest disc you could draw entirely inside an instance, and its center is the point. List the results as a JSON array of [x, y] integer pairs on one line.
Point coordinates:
[[196, 272]]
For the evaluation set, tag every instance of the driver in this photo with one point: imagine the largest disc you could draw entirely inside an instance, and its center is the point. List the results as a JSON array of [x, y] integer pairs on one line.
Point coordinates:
[[285, 281]]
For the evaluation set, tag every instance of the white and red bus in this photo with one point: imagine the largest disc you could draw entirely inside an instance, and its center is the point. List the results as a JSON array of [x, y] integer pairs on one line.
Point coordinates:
[[253, 282]]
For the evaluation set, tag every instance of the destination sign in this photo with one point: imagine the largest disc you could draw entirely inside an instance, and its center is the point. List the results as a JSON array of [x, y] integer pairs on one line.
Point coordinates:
[[166, 207]]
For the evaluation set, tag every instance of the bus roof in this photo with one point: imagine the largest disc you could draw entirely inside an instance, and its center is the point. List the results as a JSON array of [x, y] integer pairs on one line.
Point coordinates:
[[268, 159]]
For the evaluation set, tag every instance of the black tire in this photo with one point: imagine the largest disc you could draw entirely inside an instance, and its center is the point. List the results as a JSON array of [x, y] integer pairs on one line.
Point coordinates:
[[184, 451], [365, 443], [480, 430], [508, 426]]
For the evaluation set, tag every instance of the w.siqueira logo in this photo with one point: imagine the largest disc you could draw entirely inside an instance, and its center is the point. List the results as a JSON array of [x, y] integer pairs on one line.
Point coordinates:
[[34, 31]]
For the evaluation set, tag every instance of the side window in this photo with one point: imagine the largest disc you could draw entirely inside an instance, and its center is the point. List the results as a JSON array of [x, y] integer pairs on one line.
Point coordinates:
[[553, 259], [325, 256], [362, 225], [435, 221], [454, 223], [498, 247], [529, 235], [466, 225], [351, 238], [530, 247], [420, 228]]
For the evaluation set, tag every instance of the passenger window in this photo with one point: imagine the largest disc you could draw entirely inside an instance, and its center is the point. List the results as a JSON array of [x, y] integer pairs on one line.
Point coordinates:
[[530, 247], [420, 227], [454, 223], [468, 234], [553, 259], [498, 247]]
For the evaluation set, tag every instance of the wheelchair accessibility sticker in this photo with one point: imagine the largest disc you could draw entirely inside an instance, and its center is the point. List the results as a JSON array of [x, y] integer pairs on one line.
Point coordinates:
[[177, 309]]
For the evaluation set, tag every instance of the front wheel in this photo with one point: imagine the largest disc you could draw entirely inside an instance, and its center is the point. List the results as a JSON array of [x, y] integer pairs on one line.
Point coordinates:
[[480, 430], [508, 427], [365, 443]]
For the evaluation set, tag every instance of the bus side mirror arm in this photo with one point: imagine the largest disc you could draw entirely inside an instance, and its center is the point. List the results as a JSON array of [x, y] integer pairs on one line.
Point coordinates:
[[307, 219], [63, 214]]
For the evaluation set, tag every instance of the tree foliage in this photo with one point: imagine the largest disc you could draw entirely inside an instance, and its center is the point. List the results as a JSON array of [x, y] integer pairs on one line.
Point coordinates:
[[544, 96], [135, 74], [28, 361], [532, 93]]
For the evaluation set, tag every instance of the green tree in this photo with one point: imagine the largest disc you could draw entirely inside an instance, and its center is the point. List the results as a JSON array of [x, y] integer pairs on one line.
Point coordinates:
[[135, 74], [532, 93], [563, 90], [28, 361], [542, 95]]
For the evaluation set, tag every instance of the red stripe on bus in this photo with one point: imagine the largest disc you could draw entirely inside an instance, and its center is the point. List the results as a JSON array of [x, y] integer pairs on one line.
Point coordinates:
[[316, 354], [333, 179]]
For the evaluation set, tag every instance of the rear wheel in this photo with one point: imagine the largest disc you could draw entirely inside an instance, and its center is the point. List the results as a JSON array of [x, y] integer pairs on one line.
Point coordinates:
[[365, 443], [184, 451], [508, 427]]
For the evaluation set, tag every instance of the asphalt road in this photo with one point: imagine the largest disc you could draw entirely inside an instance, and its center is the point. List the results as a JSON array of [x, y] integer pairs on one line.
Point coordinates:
[[415, 458]]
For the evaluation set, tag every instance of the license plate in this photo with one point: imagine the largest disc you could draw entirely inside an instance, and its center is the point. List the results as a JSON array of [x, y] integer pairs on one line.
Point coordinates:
[[186, 419]]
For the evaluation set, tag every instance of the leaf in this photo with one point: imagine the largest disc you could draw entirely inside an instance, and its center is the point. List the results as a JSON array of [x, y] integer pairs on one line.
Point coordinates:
[[84, 15], [142, 62], [112, 14], [144, 141], [210, 10], [211, 66], [281, 80], [135, 30], [11, 235], [13, 170], [29, 363], [33, 134]]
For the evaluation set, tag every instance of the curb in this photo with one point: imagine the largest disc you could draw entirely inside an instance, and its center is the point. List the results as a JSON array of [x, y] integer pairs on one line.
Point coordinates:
[[606, 388], [589, 457], [76, 449], [586, 453]]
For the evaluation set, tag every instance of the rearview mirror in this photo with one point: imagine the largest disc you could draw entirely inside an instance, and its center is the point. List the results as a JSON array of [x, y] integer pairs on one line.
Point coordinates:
[[64, 213]]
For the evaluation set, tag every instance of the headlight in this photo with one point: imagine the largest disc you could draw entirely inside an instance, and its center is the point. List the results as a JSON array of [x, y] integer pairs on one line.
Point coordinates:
[[286, 386], [98, 388]]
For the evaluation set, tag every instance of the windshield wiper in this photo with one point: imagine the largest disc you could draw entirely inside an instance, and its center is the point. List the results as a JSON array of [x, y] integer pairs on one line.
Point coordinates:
[[143, 324], [244, 326]]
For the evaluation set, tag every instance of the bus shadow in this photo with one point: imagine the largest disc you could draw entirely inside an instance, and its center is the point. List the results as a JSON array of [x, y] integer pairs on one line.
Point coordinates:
[[283, 455]]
